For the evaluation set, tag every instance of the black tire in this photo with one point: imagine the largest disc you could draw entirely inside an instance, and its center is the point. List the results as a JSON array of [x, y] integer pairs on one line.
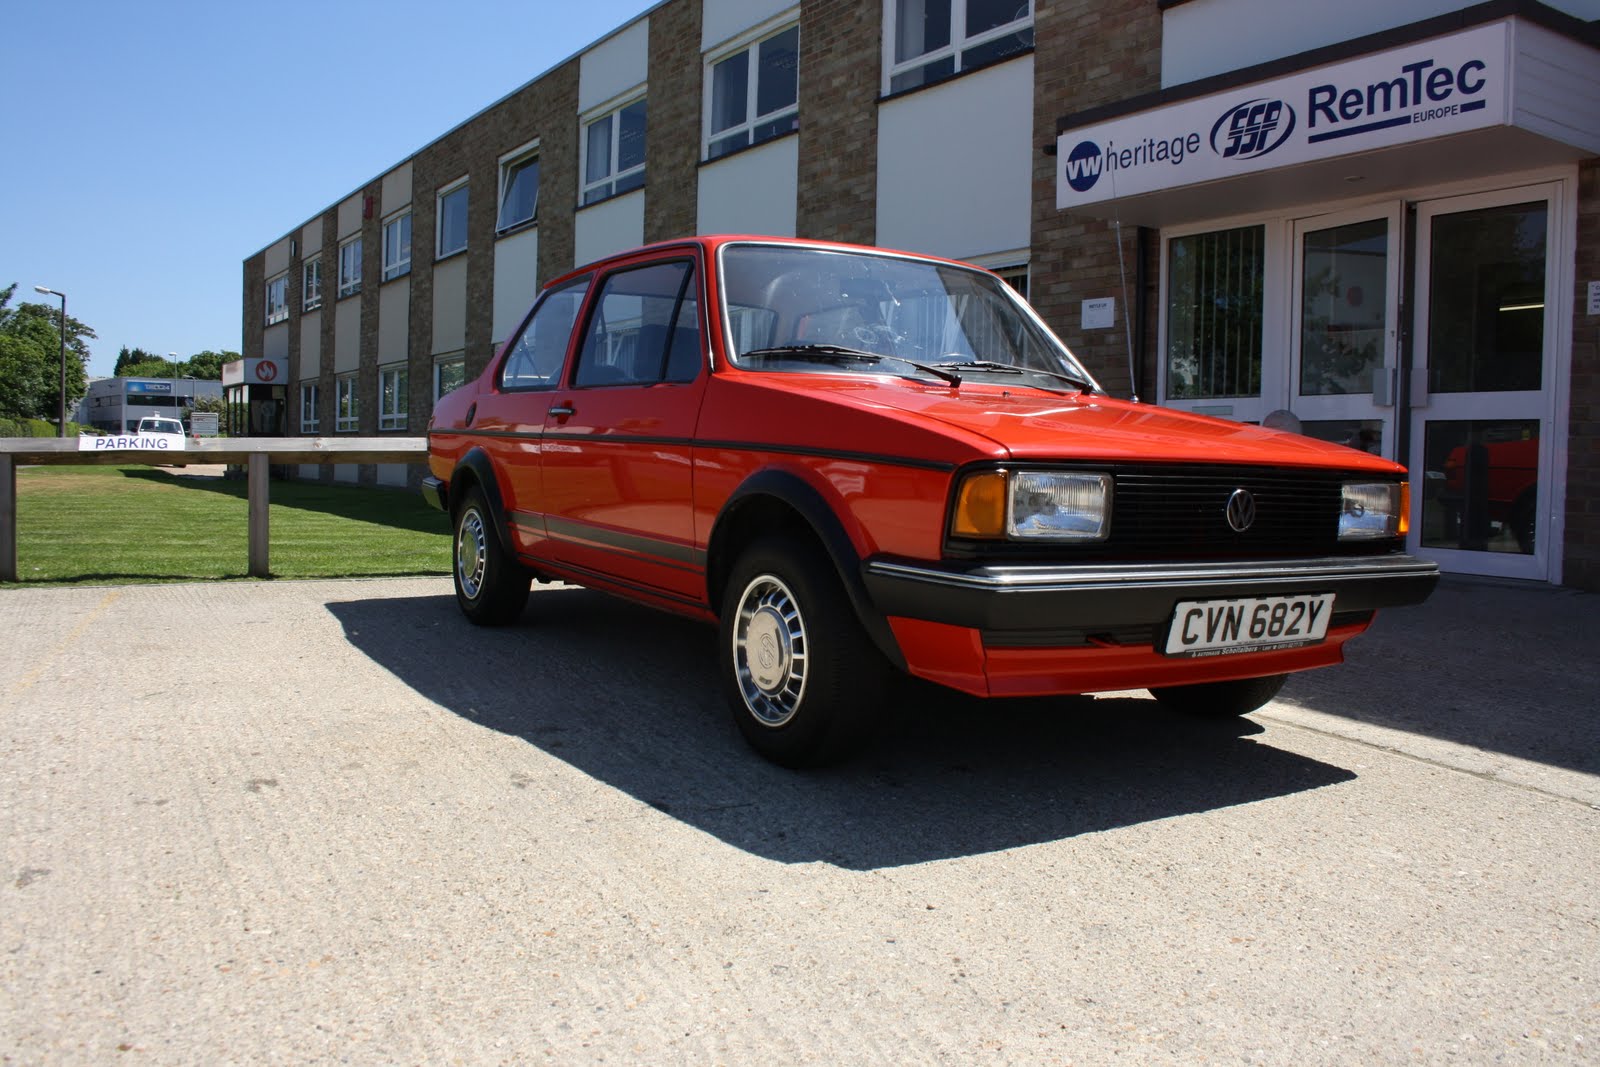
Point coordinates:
[[805, 683], [1221, 700], [491, 587]]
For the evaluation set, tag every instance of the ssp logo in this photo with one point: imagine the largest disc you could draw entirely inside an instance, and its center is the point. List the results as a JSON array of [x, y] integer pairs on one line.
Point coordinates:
[[1251, 129]]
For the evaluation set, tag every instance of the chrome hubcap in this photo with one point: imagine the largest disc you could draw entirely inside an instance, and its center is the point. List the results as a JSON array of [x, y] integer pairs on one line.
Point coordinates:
[[471, 553], [769, 651]]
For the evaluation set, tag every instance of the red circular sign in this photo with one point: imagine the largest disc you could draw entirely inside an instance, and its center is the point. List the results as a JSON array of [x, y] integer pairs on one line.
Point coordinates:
[[266, 371]]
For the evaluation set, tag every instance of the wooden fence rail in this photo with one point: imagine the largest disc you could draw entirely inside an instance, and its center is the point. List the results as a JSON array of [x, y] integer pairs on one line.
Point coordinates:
[[255, 453]]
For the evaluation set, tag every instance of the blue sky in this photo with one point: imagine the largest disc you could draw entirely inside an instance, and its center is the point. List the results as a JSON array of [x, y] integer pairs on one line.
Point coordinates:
[[152, 147]]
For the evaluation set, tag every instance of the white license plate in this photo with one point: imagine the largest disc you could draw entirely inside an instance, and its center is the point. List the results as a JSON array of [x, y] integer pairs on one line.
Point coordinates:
[[1254, 624]]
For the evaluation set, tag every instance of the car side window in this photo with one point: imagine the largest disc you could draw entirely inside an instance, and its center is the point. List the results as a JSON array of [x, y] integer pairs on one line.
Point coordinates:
[[535, 360], [645, 328]]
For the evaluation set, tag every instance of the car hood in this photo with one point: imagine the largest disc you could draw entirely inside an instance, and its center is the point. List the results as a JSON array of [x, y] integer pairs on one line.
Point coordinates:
[[1039, 425]]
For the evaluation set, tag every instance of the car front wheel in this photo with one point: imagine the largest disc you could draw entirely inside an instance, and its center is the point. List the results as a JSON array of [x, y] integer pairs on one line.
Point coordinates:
[[1220, 700], [804, 681], [491, 587]]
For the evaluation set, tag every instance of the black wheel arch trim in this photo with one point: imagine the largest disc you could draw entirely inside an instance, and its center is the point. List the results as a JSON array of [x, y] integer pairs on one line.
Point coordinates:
[[477, 461], [803, 498]]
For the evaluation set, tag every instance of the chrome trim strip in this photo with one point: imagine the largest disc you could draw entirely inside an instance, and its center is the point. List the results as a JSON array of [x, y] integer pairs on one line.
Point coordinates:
[[1157, 576]]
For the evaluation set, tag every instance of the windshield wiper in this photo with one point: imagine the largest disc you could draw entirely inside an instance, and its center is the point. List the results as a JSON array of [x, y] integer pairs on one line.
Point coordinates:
[[1011, 368], [825, 353]]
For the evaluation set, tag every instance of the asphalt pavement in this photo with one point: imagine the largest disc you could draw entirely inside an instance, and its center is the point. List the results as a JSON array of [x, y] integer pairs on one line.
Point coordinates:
[[288, 822]]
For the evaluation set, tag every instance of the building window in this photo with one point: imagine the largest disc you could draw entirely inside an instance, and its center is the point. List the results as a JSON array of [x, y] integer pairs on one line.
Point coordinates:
[[311, 284], [278, 298], [347, 410], [1214, 313], [613, 152], [448, 375], [754, 94], [397, 246], [310, 407], [519, 189], [350, 268], [451, 236], [930, 40], [393, 388], [1015, 276]]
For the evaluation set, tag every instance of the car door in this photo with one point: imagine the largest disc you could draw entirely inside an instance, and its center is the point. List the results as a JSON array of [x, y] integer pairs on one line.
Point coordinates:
[[617, 455], [509, 417]]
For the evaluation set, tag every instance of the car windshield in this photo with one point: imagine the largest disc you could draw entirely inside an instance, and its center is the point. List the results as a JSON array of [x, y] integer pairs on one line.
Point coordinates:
[[791, 308]]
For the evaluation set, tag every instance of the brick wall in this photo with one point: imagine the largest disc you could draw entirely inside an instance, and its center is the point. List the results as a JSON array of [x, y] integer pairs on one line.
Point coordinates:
[[840, 65], [255, 305], [673, 140], [1581, 563], [1089, 53]]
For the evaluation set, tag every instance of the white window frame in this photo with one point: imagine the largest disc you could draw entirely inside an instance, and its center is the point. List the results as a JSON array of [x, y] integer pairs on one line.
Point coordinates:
[[460, 185], [400, 265], [959, 42], [517, 157], [310, 414], [439, 365], [749, 43], [278, 298], [393, 418], [605, 188], [350, 267], [347, 404], [311, 283]]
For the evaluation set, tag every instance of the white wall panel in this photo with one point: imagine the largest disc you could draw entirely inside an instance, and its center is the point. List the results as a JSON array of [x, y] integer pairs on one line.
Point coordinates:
[[723, 19], [608, 227], [450, 305], [1205, 37], [349, 220], [392, 474], [754, 191], [516, 279], [346, 472], [346, 336], [394, 321], [276, 261], [310, 346], [311, 238], [955, 165], [397, 188], [1556, 86], [614, 66], [275, 341]]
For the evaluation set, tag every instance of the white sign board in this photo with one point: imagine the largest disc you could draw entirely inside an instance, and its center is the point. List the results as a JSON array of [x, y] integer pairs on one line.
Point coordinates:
[[135, 442], [1100, 314], [255, 372], [1594, 298], [1418, 92]]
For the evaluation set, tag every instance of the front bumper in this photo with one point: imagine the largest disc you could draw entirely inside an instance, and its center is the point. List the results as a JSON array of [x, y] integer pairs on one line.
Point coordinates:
[[1031, 630], [1031, 597], [436, 493]]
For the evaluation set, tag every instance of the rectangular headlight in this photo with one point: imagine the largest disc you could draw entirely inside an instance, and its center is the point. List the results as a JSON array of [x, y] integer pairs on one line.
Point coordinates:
[[1059, 506], [1371, 511]]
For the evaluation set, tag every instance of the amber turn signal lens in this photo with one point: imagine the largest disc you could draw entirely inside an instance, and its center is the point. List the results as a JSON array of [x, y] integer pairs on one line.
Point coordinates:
[[981, 506], [1405, 508]]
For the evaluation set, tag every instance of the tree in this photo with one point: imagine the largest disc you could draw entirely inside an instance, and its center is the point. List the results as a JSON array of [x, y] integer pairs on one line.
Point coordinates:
[[30, 358], [139, 363], [149, 368], [207, 365]]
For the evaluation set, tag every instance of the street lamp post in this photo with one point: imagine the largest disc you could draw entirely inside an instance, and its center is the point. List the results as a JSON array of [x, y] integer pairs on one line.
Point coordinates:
[[61, 405]]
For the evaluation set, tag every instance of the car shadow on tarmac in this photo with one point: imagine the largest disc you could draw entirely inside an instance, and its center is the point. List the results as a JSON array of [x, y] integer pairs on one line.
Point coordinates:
[[630, 697]]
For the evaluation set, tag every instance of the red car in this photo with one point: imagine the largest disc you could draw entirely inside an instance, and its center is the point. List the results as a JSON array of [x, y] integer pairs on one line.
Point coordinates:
[[856, 462]]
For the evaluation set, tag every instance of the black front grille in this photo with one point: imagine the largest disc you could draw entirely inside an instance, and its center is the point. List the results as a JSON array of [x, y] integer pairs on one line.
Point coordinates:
[[1183, 512], [1173, 512]]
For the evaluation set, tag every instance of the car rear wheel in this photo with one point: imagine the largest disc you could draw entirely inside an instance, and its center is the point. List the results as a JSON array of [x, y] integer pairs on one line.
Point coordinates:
[[1220, 700], [804, 681], [491, 587]]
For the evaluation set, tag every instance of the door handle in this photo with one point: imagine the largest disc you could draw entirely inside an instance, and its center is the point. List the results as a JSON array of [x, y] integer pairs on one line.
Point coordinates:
[[562, 411]]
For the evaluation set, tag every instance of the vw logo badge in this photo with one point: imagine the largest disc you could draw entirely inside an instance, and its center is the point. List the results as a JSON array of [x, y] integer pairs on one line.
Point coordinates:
[[1241, 510]]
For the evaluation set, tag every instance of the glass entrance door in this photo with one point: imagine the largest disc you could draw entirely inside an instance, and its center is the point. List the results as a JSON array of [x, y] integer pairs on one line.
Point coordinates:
[[1346, 286], [1482, 367]]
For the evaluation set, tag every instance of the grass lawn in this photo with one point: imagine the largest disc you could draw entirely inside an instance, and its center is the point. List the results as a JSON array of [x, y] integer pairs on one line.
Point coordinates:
[[144, 524]]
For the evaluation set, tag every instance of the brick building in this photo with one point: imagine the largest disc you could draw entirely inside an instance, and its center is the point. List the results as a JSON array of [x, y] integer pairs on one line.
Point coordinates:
[[1381, 216]]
